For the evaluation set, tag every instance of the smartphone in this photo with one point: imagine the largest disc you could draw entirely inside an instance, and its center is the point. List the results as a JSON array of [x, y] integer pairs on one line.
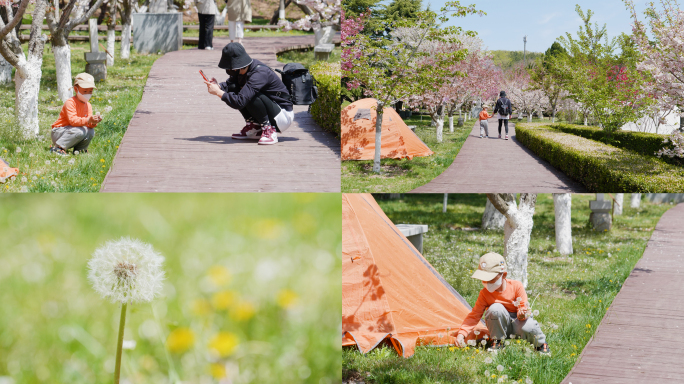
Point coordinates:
[[202, 73]]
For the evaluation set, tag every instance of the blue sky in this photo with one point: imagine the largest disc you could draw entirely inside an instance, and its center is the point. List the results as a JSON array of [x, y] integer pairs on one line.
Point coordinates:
[[507, 22]]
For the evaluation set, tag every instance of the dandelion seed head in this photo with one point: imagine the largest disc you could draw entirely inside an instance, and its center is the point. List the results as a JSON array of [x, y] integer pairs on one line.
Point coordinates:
[[488, 360], [126, 271], [535, 313], [500, 368], [472, 343]]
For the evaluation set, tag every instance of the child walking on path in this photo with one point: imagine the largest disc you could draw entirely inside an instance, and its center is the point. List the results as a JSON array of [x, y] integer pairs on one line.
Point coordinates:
[[503, 107], [484, 125], [75, 126], [505, 303]]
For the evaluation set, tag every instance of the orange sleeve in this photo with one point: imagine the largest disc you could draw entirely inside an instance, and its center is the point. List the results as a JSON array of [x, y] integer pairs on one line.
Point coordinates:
[[520, 292], [90, 113], [72, 114], [474, 316]]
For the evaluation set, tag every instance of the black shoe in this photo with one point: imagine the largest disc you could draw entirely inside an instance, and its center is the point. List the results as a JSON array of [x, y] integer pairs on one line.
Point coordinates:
[[544, 349]]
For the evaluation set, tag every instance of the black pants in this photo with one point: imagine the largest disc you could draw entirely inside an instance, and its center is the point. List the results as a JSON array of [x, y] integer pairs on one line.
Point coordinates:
[[505, 122], [261, 110], [206, 31]]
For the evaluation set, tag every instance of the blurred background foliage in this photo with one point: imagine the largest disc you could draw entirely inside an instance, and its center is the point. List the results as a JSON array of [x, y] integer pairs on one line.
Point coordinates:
[[252, 291]]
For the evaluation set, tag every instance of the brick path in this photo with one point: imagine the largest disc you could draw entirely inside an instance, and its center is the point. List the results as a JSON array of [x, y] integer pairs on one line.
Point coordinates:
[[179, 138]]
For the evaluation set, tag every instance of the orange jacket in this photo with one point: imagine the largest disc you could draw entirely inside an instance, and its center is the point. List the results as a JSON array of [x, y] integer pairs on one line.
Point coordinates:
[[75, 113], [514, 289], [484, 115]]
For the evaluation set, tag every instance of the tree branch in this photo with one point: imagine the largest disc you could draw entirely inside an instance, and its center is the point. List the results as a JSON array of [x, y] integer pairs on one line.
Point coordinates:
[[15, 20], [501, 201]]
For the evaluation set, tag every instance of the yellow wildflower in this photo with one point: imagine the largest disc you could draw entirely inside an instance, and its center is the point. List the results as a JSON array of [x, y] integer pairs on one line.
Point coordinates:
[[224, 343], [287, 298], [219, 275], [223, 299], [180, 340], [243, 311], [218, 370]]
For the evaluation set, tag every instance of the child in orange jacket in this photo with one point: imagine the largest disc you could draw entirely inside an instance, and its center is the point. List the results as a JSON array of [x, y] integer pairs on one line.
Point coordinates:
[[75, 125], [505, 302], [484, 125]]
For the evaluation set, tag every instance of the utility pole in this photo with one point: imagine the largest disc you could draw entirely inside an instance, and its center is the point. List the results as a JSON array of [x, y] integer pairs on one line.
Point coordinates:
[[525, 51]]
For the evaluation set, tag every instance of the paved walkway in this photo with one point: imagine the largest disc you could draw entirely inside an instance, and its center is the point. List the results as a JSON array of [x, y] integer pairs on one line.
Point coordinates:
[[497, 166], [641, 337], [179, 138]]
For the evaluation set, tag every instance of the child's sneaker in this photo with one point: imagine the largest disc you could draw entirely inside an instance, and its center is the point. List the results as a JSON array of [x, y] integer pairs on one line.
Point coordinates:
[[268, 135], [251, 131], [506, 137], [480, 136], [544, 349], [58, 151]]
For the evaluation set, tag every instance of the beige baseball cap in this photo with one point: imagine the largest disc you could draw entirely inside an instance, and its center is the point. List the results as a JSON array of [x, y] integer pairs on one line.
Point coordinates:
[[490, 265], [85, 80]]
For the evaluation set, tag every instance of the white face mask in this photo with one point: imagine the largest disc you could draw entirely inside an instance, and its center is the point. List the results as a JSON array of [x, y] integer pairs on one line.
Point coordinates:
[[82, 97], [491, 287]]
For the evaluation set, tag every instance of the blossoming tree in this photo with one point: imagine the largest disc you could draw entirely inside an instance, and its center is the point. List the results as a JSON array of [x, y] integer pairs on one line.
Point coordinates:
[[28, 67], [522, 92], [392, 70], [324, 13]]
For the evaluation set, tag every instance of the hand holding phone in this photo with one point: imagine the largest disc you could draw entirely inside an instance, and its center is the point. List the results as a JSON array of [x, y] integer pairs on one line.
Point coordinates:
[[202, 73]]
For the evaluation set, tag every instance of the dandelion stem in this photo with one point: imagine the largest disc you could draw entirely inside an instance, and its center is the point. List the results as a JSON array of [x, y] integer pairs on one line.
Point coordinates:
[[119, 346]]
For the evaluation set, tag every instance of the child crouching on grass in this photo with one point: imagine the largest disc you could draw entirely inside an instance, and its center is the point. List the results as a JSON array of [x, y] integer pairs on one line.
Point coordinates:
[[74, 127], [484, 125], [505, 303]]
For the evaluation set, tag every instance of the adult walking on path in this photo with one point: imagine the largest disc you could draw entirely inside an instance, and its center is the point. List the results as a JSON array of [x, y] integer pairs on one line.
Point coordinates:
[[179, 139], [504, 108], [499, 166], [239, 13], [640, 339], [206, 11]]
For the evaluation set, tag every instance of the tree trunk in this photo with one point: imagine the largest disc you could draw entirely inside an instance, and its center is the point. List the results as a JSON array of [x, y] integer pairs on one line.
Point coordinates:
[[636, 200], [378, 135], [126, 41], [585, 121], [446, 200], [529, 117], [517, 230], [27, 85], [562, 203], [63, 68], [451, 123], [492, 218], [5, 71], [553, 116], [440, 126], [111, 32], [618, 204]]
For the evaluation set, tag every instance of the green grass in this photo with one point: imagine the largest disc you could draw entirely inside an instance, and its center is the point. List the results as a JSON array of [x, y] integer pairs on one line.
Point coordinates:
[[306, 57], [572, 293], [405, 175], [45, 172], [282, 253]]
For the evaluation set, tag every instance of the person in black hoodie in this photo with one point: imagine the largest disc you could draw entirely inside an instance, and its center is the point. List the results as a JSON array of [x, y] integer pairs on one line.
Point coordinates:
[[503, 107], [257, 92]]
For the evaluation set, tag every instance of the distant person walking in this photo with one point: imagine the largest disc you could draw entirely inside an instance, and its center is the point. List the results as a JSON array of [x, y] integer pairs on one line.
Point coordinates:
[[503, 107], [239, 13], [484, 124], [206, 11]]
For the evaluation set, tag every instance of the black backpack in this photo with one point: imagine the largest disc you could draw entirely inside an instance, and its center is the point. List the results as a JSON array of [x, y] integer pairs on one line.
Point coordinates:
[[300, 83], [503, 109]]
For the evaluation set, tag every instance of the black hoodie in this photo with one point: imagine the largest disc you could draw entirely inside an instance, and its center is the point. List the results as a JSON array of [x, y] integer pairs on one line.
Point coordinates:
[[241, 89]]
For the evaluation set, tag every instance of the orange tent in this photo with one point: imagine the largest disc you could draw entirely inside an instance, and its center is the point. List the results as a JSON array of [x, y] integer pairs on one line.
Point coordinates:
[[389, 290], [358, 134]]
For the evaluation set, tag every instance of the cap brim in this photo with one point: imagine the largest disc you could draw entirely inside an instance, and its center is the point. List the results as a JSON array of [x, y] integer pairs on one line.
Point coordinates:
[[484, 276]]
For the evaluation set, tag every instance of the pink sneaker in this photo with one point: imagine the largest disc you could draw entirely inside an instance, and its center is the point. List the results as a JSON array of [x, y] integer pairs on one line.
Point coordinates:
[[251, 131], [268, 135], [506, 137]]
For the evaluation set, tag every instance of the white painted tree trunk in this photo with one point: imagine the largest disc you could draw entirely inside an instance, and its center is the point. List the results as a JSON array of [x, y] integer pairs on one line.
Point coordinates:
[[529, 117], [446, 200], [27, 85], [517, 231], [562, 203], [618, 204], [63, 69], [636, 200], [126, 41], [440, 127], [492, 218], [5, 71], [451, 123], [585, 121], [111, 38]]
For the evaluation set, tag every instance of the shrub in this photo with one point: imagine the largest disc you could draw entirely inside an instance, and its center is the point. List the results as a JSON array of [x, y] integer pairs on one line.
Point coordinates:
[[644, 143], [326, 109], [600, 167]]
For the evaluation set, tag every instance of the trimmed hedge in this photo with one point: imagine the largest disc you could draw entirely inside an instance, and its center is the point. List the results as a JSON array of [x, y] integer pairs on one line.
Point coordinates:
[[600, 167], [326, 109], [645, 143]]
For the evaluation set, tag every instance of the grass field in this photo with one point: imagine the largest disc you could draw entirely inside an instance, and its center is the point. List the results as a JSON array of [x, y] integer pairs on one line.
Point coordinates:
[[405, 175], [41, 171], [264, 270], [572, 293]]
